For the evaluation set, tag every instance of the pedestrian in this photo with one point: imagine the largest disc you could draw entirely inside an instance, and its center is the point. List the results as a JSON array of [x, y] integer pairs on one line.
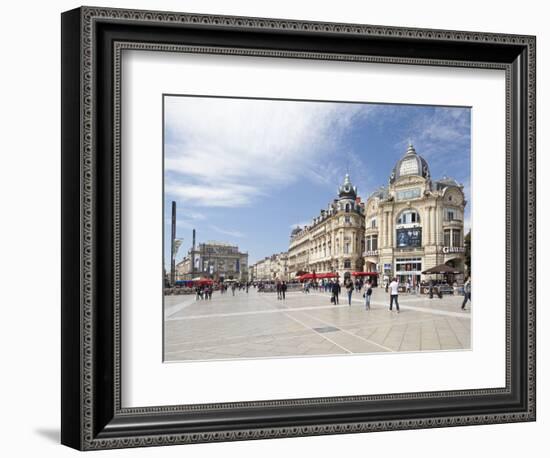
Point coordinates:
[[335, 292], [408, 286], [233, 287], [278, 288], [467, 293], [349, 287], [283, 291], [394, 293], [367, 294]]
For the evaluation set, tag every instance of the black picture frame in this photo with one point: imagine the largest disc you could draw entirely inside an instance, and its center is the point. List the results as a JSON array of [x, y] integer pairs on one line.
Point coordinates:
[[92, 416]]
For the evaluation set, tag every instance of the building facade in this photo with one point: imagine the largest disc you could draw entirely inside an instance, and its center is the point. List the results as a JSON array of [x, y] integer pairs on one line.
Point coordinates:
[[334, 241], [216, 260], [414, 223], [274, 267]]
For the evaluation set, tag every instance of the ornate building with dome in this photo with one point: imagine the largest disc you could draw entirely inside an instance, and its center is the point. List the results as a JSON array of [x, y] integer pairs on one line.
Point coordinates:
[[414, 223], [334, 241]]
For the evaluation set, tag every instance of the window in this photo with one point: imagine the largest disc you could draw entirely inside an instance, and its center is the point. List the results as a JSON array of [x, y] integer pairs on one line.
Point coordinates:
[[408, 217], [347, 219], [347, 264], [451, 214], [346, 248], [406, 194], [372, 243], [447, 237], [347, 208], [456, 238], [373, 223], [408, 265]]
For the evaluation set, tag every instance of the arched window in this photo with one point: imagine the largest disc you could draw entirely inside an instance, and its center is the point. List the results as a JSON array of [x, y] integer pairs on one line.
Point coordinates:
[[408, 217], [347, 208]]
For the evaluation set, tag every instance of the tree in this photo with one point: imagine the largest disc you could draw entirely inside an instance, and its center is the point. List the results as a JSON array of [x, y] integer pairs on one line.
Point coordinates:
[[468, 252]]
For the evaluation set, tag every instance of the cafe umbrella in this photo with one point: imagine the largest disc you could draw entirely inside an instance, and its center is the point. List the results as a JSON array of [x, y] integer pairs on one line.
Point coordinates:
[[442, 269]]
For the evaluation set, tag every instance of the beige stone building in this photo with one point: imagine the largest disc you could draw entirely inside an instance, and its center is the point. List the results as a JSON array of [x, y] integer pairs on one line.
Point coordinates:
[[334, 241], [414, 223], [274, 267], [216, 260]]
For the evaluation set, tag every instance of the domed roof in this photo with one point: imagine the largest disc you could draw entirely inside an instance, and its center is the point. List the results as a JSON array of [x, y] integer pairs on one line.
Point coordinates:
[[347, 190], [296, 231], [410, 164]]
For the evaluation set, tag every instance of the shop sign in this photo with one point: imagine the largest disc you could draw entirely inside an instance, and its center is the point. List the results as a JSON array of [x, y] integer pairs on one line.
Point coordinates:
[[453, 249]]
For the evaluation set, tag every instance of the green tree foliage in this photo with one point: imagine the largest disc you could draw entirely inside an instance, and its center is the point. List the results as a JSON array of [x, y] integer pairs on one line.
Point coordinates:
[[467, 252]]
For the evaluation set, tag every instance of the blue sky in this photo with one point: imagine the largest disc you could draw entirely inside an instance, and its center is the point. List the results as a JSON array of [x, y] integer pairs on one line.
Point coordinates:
[[246, 171]]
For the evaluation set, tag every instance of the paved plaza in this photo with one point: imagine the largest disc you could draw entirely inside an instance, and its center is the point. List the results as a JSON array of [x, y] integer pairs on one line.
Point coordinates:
[[257, 325]]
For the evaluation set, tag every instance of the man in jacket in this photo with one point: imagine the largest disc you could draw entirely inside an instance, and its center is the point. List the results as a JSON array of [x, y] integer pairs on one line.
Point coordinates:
[[335, 291]]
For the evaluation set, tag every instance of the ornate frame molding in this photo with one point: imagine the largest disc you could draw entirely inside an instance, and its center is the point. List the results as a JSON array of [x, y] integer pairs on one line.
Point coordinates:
[[89, 434]]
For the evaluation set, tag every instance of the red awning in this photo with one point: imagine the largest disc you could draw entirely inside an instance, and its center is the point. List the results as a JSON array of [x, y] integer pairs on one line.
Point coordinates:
[[204, 281], [328, 275], [364, 274], [315, 276]]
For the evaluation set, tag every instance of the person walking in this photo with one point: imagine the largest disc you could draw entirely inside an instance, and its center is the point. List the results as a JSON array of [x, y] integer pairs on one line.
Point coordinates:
[[367, 294], [335, 292], [394, 293], [233, 287], [283, 291], [349, 287], [467, 293], [278, 287]]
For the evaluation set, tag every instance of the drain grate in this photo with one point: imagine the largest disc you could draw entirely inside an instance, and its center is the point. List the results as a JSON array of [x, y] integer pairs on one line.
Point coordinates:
[[326, 329]]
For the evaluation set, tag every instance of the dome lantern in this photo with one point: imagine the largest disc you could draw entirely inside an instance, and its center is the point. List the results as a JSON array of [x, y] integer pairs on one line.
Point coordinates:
[[410, 164], [347, 190]]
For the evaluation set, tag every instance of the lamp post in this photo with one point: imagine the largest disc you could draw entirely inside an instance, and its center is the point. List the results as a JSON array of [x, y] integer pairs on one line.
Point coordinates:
[[174, 246]]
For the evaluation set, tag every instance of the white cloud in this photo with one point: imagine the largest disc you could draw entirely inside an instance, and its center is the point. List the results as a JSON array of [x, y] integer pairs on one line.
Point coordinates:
[[205, 194], [444, 127], [228, 152], [228, 232]]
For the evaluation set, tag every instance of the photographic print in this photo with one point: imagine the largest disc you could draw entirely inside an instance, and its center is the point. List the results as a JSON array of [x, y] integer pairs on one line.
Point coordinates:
[[297, 228]]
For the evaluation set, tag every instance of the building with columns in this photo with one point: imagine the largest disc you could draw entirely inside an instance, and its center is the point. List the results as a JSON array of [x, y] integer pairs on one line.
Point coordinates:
[[414, 223], [334, 241], [217, 260]]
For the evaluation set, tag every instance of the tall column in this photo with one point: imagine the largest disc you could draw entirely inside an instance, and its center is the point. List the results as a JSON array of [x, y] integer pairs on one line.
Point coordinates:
[[383, 230], [437, 220], [390, 229], [432, 225]]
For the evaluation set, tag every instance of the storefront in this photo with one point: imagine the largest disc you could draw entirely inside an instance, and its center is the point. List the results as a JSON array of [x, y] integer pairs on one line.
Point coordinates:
[[408, 270]]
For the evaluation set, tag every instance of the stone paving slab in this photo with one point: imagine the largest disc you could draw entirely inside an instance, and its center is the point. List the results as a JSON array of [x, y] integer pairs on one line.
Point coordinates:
[[257, 325]]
